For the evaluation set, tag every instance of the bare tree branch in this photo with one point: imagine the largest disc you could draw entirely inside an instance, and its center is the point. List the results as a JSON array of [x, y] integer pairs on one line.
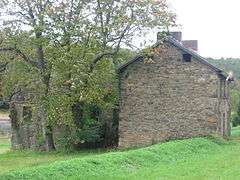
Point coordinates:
[[86, 43], [21, 54], [103, 28], [99, 56], [30, 12], [113, 53], [14, 92]]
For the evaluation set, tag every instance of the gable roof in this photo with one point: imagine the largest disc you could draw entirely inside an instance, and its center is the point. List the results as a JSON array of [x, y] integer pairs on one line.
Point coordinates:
[[178, 45]]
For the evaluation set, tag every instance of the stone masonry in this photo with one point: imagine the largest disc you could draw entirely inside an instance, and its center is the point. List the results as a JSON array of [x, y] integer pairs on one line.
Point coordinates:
[[26, 126], [163, 97]]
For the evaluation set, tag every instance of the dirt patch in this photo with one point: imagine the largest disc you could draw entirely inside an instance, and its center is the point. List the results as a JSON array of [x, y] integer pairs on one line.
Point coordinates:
[[5, 126], [4, 116]]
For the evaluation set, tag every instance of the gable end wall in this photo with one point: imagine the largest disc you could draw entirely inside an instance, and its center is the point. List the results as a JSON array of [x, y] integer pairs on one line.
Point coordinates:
[[165, 98]]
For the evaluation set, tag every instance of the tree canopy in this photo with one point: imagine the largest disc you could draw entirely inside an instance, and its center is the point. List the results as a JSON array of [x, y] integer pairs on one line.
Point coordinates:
[[67, 51]]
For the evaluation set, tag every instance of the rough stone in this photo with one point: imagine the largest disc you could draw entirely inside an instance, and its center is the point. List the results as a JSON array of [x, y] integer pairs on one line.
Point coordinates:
[[166, 98], [26, 127]]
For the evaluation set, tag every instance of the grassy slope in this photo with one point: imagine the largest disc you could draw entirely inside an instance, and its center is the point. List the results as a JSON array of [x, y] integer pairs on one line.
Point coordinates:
[[13, 160], [192, 158], [198, 158]]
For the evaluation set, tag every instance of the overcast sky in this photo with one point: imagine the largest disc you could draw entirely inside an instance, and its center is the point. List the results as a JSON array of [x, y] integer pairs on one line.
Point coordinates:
[[214, 23]]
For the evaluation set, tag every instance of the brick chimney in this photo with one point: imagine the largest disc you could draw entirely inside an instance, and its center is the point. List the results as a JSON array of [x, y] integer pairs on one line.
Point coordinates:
[[177, 35], [191, 44]]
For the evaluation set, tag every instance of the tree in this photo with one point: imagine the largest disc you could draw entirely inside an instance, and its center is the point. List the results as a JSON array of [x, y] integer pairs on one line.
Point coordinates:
[[69, 43], [236, 116]]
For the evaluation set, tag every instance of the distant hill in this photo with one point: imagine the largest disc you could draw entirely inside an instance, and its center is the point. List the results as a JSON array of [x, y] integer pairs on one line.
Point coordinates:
[[227, 64]]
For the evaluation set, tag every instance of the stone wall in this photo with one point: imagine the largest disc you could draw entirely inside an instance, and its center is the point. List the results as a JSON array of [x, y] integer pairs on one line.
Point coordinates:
[[27, 131], [165, 98], [26, 127]]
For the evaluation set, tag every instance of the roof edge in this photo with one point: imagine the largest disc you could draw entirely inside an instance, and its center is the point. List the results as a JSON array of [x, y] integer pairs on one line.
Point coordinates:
[[181, 47], [135, 58]]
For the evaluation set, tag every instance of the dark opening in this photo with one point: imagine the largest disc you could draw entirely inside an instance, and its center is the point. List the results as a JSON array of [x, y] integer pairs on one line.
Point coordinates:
[[187, 57], [27, 113]]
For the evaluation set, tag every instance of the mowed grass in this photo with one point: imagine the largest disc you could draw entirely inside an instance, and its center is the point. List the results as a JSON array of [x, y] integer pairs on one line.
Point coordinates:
[[4, 144], [197, 158], [14, 160], [235, 132]]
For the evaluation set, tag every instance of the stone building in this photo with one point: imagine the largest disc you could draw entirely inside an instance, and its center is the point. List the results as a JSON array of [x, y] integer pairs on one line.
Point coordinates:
[[171, 93], [26, 124]]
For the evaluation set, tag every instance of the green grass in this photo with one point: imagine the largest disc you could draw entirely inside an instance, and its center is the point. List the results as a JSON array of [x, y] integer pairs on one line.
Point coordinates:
[[4, 144], [197, 158], [24, 159], [14, 160], [235, 132]]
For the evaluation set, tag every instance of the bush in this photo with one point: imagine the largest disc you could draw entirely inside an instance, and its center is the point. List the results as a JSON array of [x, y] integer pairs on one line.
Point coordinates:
[[85, 131], [89, 128], [235, 120]]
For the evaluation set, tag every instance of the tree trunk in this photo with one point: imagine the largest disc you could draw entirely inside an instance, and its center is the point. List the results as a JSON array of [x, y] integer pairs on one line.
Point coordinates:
[[45, 78], [47, 130], [49, 140]]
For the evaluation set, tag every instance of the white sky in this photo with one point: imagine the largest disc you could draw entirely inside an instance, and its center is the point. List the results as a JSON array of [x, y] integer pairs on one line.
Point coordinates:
[[214, 23]]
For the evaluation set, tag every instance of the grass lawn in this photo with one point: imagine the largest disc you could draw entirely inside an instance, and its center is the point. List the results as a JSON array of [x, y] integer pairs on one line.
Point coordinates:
[[13, 160], [235, 132], [4, 144], [197, 158]]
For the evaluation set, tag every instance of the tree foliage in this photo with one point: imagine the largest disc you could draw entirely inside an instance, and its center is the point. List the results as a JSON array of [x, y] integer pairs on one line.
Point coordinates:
[[67, 51], [229, 65]]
